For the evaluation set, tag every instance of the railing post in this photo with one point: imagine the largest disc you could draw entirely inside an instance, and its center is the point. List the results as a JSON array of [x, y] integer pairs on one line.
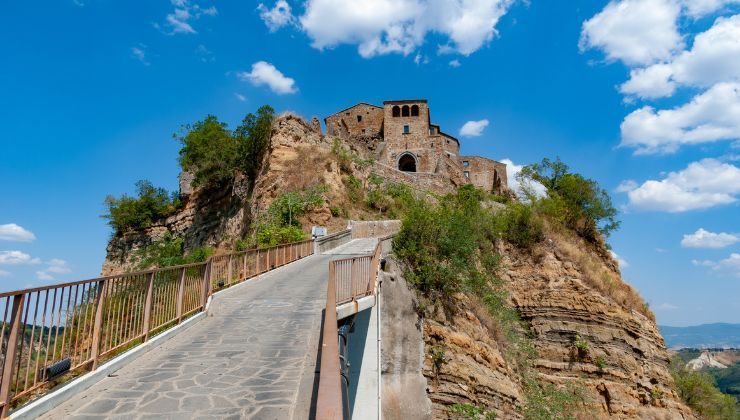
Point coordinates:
[[12, 345], [180, 295], [268, 260], [98, 324], [207, 283], [148, 307], [230, 270], [256, 262], [246, 272]]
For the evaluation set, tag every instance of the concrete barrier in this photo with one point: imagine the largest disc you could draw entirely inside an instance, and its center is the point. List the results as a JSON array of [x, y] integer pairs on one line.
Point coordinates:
[[332, 241]]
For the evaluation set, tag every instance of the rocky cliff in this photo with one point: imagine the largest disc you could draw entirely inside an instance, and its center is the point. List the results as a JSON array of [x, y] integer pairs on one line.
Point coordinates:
[[586, 336]]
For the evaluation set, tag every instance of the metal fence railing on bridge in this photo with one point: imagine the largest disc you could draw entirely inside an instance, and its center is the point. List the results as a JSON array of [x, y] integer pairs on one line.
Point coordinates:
[[349, 279], [49, 331]]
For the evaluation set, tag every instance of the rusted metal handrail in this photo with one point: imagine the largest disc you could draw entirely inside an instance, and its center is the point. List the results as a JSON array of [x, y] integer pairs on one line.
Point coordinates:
[[349, 279], [87, 321]]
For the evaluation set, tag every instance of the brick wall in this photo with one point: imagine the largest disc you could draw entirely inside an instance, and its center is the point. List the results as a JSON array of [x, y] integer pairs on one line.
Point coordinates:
[[359, 120]]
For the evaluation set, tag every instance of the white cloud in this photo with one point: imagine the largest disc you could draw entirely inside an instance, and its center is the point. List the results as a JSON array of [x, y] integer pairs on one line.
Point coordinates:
[[627, 186], [178, 22], [699, 8], [621, 261], [4, 273], [277, 17], [730, 265], [473, 128], [667, 307], [53, 266], [240, 97], [13, 232], [204, 53], [512, 170], [421, 59], [455, 63], [712, 59], [400, 26], [634, 31], [711, 116], [703, 184], [705, 239], [139, 53], [264, 73], [16, 258]]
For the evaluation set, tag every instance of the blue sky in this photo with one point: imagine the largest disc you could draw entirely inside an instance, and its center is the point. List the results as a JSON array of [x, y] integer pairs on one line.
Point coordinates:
[[641, 95]]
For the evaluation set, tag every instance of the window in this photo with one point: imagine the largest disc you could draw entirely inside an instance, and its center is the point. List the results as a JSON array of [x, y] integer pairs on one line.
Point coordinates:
[[415, 110], [466, 163], [405, 111], [363, 131], [359, 118], [346, 113], [406, 129], [396, 111], [467, 174]]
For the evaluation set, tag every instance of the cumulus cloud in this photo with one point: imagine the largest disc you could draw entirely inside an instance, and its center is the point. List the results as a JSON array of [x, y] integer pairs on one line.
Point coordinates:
[[621, 261], [455, 63], [280, 15], [53, 266], [13, 232], [728, 266], [705, 239], [473, 128], [710, 117], [703, 184], [712, 59], [699, 8], [512, 170], [178, 21], [400, 26], [265, 74], [634, 31], [17, 258]]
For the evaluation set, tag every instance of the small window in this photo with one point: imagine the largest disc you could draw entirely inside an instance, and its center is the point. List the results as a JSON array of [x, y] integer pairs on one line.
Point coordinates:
[[363, 131], [359, 118], [406, 129], [467, 174], [466, 163], [346, 113]]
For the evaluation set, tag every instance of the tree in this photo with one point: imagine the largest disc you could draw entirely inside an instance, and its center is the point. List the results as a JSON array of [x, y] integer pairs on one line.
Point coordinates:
[[579, 202], [150, 204], [209, 152], [253, 137]]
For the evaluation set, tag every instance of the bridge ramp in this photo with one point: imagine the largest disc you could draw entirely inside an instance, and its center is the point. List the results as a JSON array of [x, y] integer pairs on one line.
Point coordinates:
[[253, 356]]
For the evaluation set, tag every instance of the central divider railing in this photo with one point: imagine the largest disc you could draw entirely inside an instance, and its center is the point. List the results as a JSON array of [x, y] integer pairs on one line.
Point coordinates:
[[349, 279], [50, 330]]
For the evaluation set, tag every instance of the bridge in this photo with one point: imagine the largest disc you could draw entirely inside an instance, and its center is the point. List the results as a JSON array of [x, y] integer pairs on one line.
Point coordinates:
[[285, 332]]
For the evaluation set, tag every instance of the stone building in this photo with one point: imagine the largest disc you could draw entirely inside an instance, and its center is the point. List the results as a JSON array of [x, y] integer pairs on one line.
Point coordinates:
[[408, 142]]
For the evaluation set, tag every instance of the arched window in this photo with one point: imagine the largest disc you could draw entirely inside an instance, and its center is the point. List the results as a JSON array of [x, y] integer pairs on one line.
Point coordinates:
[[396, 111], [407, 163], [405, 111], [414, 110]]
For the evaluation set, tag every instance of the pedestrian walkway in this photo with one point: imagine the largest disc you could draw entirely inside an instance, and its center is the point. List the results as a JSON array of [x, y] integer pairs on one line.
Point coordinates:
[[253, 356]]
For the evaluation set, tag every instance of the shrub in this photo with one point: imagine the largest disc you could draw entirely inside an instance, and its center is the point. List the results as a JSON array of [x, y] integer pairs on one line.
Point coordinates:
[[130, 213], [521, 226], [213, 153], [600, 363], [271, 235], [168, 252], [335, 211], [472, 412], [354, 188], [581, 345], [292, 204], [699, 392], [579, 202]]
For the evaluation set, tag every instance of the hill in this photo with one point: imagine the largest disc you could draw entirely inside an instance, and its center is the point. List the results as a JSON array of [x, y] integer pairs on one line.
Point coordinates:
[[717, 335]]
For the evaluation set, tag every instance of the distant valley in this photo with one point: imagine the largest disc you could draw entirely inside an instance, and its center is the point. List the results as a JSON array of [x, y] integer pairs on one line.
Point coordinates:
[[718, 335]]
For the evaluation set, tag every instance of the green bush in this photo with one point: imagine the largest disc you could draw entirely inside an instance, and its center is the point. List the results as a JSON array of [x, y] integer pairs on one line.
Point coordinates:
[[520, 226], [292, 204], [150, 205], [698, 390], [354, 188], [168, 252], [271, 235], [578, 202], [212, 153], [472, 412]]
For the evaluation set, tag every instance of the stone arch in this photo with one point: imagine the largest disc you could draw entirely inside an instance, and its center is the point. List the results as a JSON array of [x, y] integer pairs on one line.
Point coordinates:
[[414, 110], [405, 111], [396, 111], [407, 162]]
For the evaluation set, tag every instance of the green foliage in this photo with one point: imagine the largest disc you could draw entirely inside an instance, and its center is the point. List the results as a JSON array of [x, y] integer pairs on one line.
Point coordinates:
[[271, 235], [728, 380], [346, 157], [581, 345], [578, 202], [292, 204], [521, 226], [212, 153], [354, 188], [699, 392], [241, 245], [151, 204], [600, 363], [335, 211], [168, 252], [472, 412], [546, 401]]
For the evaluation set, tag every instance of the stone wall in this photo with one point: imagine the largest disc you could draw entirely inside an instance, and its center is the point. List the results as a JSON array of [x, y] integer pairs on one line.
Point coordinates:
[[359, 120], [374, 229], [484, 173]]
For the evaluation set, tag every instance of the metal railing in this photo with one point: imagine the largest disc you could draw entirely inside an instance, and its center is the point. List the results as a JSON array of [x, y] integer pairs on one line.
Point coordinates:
[[349, 280], [74, 326]]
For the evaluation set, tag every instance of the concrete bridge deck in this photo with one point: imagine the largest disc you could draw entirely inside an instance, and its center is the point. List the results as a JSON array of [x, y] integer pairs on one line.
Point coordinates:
[[253, 356]]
